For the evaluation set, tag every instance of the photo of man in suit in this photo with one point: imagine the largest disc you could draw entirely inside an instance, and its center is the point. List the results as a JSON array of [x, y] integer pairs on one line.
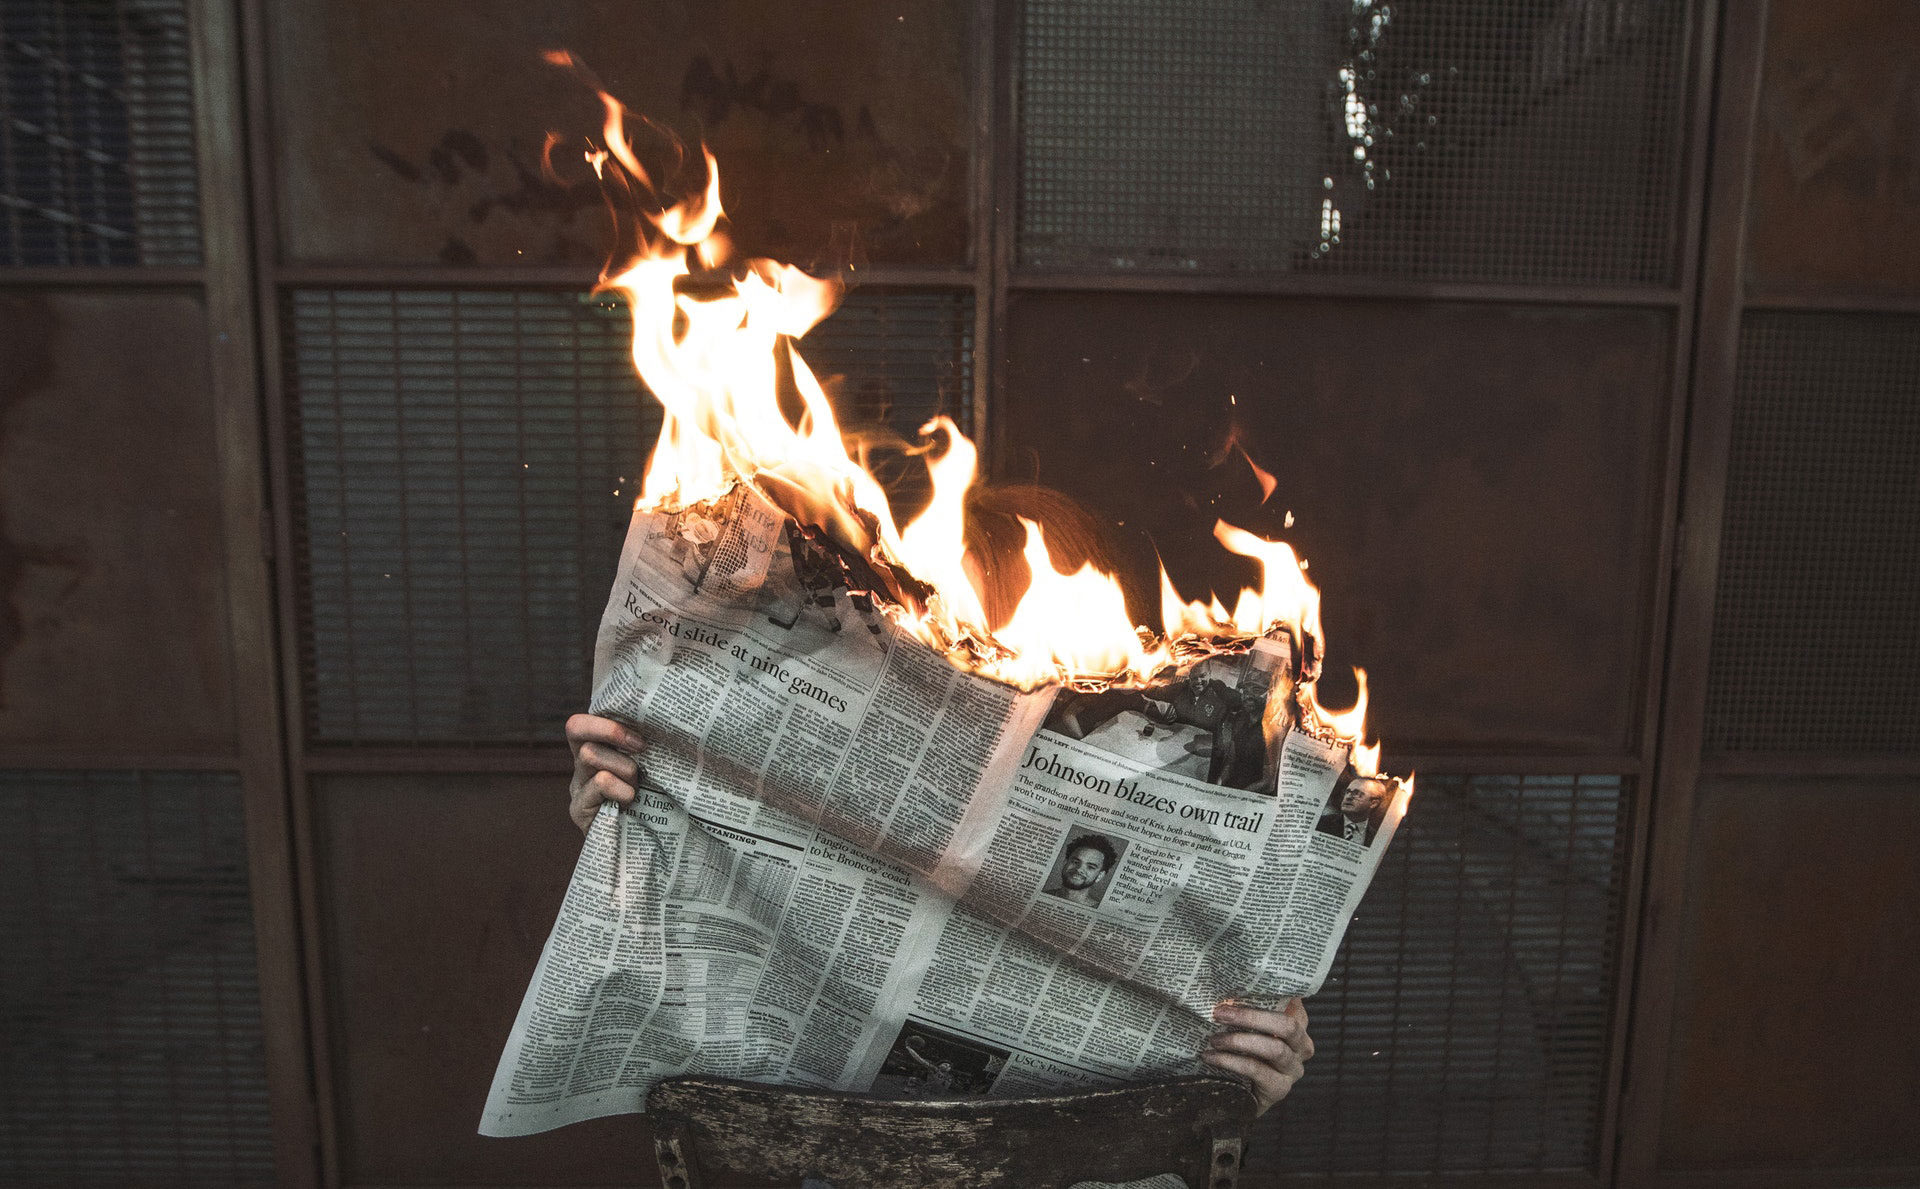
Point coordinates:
[[1356, 809]]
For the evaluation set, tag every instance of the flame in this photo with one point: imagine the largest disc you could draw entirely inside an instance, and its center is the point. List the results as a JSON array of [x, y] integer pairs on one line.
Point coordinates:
[[691, 222], [1267, 481], [1235, 445], [1349, 725], [1070, 625], [717, 343], [933, 547]]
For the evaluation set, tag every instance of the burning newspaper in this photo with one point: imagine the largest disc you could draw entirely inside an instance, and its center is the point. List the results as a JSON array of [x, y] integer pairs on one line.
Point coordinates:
[[854, 865], [904, 824]]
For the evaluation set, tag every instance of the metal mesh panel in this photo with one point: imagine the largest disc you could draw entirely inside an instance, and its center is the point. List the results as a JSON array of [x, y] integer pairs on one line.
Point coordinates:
[[1816, 646], [1469, 140], [469, 461], [903, 356], [96, 134], [1464, 1025], [132, 1049]]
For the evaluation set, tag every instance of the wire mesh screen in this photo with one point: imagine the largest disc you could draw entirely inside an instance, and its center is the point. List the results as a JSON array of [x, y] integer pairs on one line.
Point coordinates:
[[1468, 140], [1815, 642], [96, 134], [901, 356], [468, 463], [1464, 1027], [133, 1049]]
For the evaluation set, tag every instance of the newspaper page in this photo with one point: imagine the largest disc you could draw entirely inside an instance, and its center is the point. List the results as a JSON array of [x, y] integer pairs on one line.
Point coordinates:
[[852, 865]]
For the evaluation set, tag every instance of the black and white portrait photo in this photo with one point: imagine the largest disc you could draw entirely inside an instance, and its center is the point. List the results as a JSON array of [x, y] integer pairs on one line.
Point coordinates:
[[1084, 869], [1356, 807]]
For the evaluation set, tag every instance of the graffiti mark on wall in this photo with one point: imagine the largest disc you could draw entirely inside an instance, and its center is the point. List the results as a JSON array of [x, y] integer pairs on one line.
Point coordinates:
[[1848, 125], [716, 91]]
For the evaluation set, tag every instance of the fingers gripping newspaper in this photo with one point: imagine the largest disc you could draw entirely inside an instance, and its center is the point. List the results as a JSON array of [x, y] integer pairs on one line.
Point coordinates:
[[852, 865]]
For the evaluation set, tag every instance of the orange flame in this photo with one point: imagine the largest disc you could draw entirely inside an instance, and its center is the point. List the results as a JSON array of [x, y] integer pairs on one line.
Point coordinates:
[[1072, 625], [718, 348], [1350, 725], [1267, 481]]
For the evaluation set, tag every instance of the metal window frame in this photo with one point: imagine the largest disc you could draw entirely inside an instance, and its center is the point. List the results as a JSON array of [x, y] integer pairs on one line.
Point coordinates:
[[228, 253], [993, 278]]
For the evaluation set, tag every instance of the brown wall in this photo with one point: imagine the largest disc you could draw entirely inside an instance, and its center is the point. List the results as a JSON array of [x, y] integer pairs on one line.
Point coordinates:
[[1598, 428]]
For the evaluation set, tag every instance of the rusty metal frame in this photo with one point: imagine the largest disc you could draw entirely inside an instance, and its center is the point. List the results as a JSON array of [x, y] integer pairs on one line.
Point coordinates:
[[1827, 298], [1440, 1180], [1783, 1178], [1706, 300], [234, 372], [79, 760], [503, 759], [999, 79], [1807, 763], [983, 54], [575, 280], [1280, 284], [225, 284], [1678, 740], [1703, 20], [102, 277], [261, 216]]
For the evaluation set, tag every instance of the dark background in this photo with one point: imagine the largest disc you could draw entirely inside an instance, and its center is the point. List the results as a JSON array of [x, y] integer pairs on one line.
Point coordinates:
[[1582, 336]]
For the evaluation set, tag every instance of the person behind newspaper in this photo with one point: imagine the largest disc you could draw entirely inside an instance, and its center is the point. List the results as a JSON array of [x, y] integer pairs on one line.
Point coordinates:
[[1267, 1048]]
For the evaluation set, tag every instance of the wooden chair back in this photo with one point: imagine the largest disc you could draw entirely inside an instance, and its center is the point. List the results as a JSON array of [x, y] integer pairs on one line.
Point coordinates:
[[716, 1133]]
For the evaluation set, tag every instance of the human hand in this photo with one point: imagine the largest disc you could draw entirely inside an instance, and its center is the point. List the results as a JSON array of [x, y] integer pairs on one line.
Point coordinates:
[[603, 766], [1268, 1048]]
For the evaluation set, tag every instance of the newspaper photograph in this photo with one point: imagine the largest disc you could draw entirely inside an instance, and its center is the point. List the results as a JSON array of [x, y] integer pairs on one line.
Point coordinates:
[[852, 864]]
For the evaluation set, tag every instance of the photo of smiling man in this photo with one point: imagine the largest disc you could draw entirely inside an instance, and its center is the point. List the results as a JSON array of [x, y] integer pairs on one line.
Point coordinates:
[[1084, 871]]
